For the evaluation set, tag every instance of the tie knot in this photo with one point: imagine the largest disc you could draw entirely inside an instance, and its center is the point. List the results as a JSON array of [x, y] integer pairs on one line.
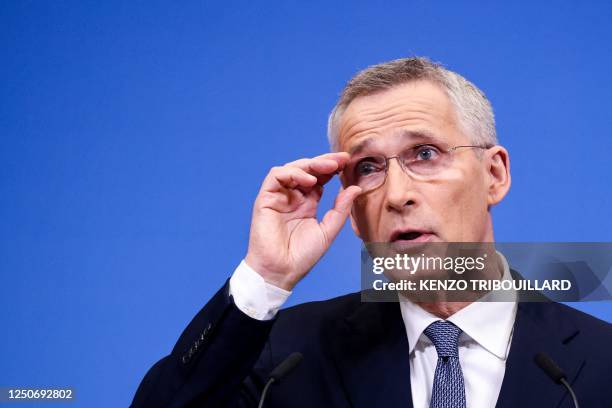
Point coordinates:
[[445, 337]]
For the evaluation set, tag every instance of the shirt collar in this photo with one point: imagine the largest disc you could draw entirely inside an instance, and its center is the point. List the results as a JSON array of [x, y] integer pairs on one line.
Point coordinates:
[[488, 323]]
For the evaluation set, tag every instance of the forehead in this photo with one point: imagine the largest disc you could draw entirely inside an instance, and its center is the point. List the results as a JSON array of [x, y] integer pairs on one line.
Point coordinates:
[[419, 107]]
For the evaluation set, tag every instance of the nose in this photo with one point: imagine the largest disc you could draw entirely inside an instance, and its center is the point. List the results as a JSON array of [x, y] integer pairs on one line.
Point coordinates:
[[400, 191]]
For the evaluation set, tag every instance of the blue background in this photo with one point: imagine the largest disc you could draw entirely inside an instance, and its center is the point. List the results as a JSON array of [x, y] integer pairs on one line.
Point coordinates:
[[134, 137]]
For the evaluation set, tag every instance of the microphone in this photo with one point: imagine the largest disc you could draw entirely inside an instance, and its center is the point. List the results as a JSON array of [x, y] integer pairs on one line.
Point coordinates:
[[281, 370], [555, 373]]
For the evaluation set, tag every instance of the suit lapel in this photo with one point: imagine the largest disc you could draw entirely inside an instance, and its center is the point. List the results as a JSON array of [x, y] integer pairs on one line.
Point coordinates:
[[538, 328], [370, 349]]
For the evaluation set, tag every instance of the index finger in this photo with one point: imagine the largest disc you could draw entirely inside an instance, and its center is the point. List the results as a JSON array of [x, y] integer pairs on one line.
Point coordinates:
[[339, 157], [324, 167]]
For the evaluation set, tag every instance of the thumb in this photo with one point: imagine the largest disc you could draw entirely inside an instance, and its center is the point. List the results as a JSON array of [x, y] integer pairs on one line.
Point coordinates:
[[334, 218]]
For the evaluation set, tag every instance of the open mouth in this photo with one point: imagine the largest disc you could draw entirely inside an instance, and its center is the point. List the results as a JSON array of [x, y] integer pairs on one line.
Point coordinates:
[[408, 236], [411, 236]]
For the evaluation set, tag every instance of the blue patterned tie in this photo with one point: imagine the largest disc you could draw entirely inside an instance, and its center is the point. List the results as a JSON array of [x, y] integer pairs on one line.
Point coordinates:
[[448, 387]]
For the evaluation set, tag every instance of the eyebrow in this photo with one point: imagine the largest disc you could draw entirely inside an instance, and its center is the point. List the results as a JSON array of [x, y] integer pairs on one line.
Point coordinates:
[[423, 136]]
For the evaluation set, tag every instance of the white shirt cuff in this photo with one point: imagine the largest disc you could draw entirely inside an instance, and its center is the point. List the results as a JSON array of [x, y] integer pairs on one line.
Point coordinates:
[[254, 296]]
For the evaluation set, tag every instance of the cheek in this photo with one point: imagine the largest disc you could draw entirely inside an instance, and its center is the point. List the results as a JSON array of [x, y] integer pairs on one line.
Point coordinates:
[[459, 199], [367, 214]]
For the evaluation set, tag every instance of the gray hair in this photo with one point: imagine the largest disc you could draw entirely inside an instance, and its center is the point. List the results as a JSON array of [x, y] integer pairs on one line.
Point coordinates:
[[474, 111]]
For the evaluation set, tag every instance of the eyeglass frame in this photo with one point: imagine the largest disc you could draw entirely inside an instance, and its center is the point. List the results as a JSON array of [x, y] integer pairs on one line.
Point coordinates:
[[402, 166]]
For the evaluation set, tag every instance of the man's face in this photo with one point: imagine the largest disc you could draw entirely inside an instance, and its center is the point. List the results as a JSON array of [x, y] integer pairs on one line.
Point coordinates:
[[451, 206]]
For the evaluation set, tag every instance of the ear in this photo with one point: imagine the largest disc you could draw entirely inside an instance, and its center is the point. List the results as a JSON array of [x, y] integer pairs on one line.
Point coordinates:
[[499, 174]]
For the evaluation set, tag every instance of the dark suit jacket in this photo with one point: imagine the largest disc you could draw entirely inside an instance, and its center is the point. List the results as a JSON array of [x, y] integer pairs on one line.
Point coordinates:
[[356, 355]]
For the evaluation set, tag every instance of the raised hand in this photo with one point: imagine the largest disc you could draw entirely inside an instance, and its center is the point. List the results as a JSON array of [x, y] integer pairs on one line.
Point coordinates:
[[286, 239]]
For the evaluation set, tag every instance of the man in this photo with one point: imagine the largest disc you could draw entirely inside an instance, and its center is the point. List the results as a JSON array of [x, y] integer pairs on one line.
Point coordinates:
[[416, 149]]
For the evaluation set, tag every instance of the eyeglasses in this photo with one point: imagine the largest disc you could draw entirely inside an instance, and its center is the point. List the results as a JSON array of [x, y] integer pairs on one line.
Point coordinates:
[[423, 161]]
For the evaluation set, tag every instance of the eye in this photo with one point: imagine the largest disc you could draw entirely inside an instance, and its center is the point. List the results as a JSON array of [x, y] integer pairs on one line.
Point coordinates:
[[426, 153], [368, 166]]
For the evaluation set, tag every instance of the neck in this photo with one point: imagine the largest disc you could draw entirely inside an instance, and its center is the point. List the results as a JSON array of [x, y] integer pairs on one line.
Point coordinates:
[[443, 310]]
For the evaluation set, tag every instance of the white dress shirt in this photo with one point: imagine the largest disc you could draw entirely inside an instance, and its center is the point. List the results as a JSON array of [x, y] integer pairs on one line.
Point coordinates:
[[484, 343], [253, 295]]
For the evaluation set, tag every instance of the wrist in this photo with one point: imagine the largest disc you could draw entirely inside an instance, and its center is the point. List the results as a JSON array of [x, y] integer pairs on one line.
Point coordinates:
[[277, 279]]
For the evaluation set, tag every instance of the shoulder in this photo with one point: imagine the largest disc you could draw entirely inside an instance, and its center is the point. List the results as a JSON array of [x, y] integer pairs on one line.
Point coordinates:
[[558, 317], [309, 326], [318, 311]]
